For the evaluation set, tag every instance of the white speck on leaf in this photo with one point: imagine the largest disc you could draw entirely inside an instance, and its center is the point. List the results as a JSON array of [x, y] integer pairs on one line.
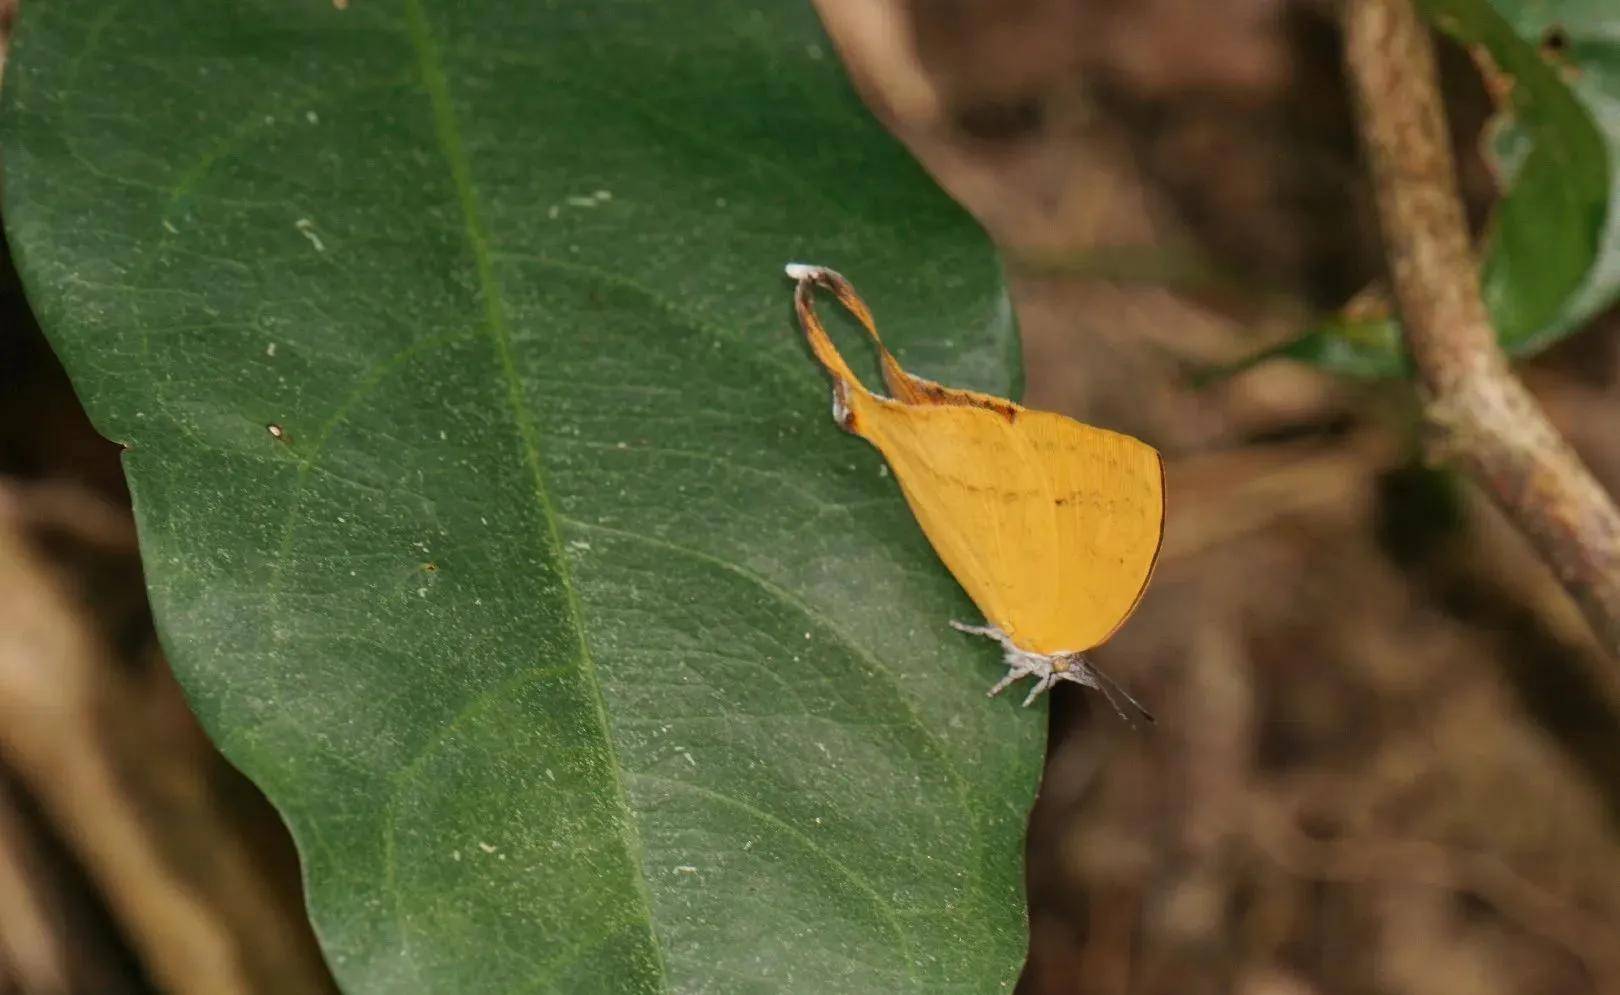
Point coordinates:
[[169, 227], [595, 199], [421, 592], [306, 227], [686, 869], [312, 117], [270, 350], [491, 848]]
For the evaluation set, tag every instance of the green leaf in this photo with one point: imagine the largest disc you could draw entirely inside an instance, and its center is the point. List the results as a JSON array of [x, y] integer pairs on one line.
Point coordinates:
[[1588, 68], [580, 650], [1552, 256], [1364, 348]]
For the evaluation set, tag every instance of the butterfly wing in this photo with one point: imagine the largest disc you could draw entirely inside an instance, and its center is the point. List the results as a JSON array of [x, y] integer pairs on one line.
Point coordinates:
[[978, 494], [1051, 526], [1107, 497]]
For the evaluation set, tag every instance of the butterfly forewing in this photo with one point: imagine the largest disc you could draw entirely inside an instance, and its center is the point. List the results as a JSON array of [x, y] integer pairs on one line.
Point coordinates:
[[978, 494]]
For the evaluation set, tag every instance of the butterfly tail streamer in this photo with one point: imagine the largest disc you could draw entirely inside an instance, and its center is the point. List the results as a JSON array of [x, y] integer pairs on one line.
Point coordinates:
[[820, 342], [904, 387]]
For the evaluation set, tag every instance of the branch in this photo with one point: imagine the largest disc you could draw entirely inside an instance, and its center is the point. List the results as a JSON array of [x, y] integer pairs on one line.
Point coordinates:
[[1485, 419]]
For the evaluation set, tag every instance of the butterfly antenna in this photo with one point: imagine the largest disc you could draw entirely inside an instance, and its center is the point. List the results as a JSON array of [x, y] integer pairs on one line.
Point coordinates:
[[1109, 687]]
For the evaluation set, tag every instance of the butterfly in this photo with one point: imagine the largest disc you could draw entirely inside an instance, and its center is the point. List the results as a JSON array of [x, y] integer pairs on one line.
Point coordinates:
[[1051, 526]]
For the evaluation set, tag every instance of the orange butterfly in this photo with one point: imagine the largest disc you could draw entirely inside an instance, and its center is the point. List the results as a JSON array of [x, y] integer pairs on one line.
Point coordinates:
[[1052, 527]]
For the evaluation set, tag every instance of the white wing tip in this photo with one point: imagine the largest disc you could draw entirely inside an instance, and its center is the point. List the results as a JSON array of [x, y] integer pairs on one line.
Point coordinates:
[[802, 271]]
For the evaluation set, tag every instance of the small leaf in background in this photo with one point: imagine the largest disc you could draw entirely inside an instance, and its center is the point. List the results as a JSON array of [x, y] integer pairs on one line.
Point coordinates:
[[579, 652], [1552, 251]]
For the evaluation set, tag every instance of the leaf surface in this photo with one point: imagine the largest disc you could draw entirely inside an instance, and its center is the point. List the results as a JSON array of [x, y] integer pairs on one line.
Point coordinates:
[[492, 514]]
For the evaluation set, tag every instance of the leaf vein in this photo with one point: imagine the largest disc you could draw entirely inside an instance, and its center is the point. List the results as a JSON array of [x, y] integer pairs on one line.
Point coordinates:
[[449, 135]]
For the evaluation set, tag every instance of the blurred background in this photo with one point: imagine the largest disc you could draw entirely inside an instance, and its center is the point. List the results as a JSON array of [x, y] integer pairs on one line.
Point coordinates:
[[1388, 750]]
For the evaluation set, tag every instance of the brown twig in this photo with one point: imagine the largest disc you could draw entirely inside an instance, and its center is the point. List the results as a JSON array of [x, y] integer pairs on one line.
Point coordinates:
[[1484, 418]]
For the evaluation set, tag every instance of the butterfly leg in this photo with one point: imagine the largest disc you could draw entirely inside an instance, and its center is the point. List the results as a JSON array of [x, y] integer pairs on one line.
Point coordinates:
[[1019, 663], [988, 631], [1013, 673], [1041, 687]]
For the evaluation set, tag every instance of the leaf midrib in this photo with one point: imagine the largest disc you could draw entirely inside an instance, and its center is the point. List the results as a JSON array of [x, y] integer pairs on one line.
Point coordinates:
[[548, 535]]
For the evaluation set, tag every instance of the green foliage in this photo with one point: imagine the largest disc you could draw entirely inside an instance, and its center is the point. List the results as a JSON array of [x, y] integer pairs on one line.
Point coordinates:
[[1552, 255], [580, 650]]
